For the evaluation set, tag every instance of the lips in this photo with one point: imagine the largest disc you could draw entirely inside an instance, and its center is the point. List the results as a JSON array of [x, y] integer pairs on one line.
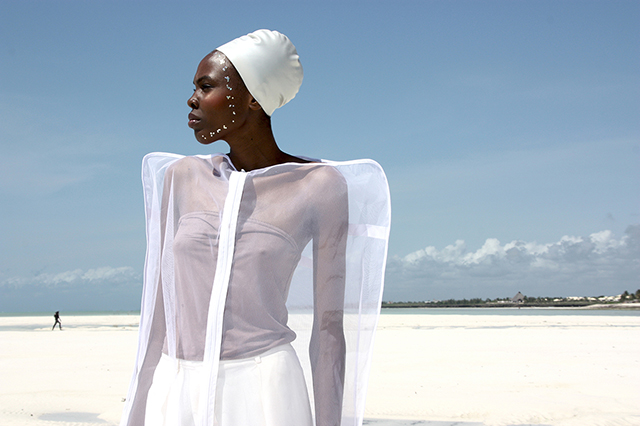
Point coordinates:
[[193, 120]]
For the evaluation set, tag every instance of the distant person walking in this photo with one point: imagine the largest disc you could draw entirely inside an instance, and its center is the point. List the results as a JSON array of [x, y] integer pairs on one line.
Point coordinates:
[[58, 323]]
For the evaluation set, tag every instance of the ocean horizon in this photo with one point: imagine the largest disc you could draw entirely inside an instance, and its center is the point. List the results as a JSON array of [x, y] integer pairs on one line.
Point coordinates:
[[514, 310]]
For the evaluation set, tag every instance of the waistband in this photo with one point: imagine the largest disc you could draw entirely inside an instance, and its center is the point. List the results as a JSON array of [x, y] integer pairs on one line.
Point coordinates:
[[257, 359]]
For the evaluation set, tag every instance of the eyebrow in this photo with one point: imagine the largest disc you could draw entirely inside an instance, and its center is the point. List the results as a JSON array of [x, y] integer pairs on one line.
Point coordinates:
[[203, 78]]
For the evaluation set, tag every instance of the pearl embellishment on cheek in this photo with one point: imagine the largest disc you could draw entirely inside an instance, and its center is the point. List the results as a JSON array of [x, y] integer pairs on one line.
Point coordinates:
[[222, 61]]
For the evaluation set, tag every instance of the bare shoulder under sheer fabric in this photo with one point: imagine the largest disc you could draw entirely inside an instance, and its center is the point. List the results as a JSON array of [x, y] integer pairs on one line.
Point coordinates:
[[241, 263]]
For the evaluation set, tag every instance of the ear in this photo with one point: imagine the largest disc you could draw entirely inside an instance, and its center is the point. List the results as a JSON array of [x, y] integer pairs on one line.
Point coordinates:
[[254, 105]]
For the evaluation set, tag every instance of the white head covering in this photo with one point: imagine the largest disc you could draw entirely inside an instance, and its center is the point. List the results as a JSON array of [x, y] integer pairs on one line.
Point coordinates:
[[269, 65]]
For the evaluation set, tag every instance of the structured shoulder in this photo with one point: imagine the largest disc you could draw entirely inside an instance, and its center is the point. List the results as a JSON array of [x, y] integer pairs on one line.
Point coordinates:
[[186, 164], [187, 168], [326, 190], [327, 177]]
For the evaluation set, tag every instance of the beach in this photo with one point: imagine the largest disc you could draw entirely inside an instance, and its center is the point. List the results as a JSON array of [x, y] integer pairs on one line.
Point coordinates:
[[436, 369]]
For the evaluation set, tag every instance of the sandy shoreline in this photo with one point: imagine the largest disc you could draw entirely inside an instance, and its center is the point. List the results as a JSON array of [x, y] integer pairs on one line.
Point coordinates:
[[435, 370]]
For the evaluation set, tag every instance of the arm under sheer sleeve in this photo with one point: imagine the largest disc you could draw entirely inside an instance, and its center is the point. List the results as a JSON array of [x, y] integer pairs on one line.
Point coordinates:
[[151, 359], [157, 328], [327, 347]]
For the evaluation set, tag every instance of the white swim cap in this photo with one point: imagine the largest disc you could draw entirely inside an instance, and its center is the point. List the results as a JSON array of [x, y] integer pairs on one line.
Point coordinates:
[[269, 65]]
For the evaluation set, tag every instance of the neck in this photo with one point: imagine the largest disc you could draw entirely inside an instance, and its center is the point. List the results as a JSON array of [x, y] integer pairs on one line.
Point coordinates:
[[257, 149]]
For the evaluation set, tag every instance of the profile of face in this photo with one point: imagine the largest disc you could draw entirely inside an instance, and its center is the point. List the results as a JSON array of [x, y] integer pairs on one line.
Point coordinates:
[[219, 101]]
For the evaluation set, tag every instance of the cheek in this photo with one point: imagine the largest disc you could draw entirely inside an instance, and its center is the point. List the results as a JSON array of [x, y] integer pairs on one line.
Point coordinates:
[[218, 101], [222, 109]]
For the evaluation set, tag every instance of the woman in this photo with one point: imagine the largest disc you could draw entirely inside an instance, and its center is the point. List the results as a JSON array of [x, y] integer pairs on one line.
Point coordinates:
[[252, 255]]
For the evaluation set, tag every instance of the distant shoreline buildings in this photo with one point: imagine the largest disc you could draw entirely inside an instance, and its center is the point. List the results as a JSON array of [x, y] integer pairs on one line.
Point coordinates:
[[629, 300]]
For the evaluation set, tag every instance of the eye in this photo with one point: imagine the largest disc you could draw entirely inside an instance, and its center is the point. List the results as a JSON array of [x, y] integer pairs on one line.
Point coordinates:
[[204, 87]]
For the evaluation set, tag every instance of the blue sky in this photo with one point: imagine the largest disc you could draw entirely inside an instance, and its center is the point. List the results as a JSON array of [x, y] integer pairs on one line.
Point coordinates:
[[509, 131]]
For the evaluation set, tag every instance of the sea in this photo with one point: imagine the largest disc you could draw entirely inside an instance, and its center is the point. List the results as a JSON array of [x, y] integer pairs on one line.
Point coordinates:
[[635, 311]]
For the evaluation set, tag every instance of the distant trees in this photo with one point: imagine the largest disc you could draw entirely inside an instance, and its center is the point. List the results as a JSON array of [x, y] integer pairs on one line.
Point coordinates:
[[527, 301], [630, 296]]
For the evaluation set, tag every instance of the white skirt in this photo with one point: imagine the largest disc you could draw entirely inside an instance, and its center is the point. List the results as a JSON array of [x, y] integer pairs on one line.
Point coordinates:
[[267, 390]]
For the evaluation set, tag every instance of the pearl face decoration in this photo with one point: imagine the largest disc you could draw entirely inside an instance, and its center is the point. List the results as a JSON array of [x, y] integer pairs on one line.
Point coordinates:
[[222, 60], [213, 101]]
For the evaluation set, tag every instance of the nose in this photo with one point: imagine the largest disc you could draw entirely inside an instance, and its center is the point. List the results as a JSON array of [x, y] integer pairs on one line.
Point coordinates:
[[192, 102]]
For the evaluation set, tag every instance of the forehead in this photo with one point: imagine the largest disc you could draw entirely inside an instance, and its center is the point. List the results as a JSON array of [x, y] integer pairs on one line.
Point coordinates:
[[214, 65]]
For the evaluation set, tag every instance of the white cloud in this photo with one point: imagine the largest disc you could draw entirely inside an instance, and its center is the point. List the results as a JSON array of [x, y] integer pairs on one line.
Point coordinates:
[[593, 265], [574, 265], [108, 273], [104, 288], [75, 278]]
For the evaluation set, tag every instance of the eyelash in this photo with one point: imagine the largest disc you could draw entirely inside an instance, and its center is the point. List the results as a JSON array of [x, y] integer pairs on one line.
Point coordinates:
[[203, 87]]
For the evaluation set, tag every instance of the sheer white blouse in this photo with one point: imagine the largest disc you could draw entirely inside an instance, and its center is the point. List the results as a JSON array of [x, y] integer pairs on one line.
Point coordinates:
[[241, 262]]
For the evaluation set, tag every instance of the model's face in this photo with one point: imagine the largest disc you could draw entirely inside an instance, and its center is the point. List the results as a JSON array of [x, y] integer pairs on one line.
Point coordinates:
[[218, 89]]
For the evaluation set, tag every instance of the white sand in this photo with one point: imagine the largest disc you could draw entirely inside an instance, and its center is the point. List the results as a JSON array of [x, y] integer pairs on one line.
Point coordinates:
[[429, 370]]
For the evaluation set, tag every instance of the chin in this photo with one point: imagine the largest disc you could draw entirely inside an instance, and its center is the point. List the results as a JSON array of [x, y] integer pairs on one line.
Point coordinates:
[[201, 139]]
